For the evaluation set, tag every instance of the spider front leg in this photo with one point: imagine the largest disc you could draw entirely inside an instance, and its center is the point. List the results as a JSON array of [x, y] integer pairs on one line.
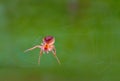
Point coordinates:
[[41, 52], [37, 46], [54, 53]]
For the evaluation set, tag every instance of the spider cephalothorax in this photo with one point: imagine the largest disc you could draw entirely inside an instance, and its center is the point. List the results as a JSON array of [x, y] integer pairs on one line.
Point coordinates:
[[47, 46]]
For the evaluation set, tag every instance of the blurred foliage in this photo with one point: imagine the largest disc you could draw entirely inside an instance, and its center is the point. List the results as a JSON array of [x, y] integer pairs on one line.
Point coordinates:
[[87, 40]]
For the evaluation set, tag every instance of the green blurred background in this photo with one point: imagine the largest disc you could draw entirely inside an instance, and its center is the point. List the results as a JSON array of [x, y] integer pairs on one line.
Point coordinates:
[[87, 40]]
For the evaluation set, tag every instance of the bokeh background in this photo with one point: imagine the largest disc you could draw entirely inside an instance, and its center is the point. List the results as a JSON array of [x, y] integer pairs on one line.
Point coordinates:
[[87, 36]]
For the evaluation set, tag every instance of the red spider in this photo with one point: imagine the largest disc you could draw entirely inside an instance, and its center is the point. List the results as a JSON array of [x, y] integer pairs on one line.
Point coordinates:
[[47, 46]]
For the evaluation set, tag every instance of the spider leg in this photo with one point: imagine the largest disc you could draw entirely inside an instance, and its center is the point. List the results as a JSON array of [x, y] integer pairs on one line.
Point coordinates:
[[54, 53], [41, 52], [37, 46]]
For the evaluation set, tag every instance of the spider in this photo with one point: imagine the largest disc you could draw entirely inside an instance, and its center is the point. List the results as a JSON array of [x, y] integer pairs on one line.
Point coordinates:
[[47, 46]]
